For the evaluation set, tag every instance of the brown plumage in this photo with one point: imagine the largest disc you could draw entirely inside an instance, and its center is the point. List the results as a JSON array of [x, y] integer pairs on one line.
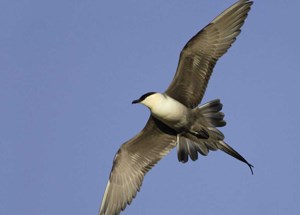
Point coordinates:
[[197, 60]]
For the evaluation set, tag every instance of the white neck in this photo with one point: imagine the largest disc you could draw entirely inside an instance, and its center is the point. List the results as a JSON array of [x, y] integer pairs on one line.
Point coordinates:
[[166, 109]]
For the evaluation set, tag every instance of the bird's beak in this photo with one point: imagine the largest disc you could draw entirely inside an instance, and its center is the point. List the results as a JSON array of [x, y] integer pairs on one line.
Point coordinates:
[[135, 101]]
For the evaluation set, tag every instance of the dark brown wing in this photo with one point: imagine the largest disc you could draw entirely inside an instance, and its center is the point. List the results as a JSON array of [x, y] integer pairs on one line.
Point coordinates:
[[133, 160], [200, 54]]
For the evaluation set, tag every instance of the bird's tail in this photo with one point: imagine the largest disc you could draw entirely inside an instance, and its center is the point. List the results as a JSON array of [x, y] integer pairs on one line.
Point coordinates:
[[204, 135]]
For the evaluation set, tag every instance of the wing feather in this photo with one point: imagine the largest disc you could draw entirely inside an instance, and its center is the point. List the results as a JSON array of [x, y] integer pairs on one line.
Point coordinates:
[[200, 54], [133, 160]]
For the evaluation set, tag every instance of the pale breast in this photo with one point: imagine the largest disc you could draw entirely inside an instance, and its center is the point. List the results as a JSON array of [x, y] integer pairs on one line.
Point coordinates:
[[171, 112]]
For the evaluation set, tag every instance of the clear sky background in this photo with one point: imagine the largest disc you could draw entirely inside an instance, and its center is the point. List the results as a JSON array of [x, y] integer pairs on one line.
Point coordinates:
[[70, 69]]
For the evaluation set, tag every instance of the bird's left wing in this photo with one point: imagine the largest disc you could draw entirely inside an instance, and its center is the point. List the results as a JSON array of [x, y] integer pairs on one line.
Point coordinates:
[[133, 160], [200, 54]]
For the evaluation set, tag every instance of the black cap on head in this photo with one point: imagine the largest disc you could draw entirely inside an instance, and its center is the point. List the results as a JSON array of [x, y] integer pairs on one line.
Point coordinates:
[[142, 97]]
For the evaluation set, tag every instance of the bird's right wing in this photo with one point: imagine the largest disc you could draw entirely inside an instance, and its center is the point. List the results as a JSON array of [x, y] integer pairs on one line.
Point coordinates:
[[133, 160], [200, 54]]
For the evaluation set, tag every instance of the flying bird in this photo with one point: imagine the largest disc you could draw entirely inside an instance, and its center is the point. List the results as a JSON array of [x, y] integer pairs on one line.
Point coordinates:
[[176, 119]]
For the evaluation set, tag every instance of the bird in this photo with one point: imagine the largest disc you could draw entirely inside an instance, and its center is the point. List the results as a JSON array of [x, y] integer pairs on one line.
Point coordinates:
[[176, 119]]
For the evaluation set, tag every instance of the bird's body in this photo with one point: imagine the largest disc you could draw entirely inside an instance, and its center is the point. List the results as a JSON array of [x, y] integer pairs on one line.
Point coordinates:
[[168, 110], [195, 128], [176, 119]]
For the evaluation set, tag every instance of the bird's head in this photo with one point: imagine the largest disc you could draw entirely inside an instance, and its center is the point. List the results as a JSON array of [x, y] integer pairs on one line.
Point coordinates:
[[148, 99]]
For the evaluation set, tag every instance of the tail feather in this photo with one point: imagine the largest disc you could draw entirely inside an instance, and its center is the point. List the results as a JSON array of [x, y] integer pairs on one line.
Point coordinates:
[[193, 151], [211, 112], [186, 147], [209, 118], [202, 148], [216, 132], [182, 150], [211, 145], [229, 150], [212, 106]]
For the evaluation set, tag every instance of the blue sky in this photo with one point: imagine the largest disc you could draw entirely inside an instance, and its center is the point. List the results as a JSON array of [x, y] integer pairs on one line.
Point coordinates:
[[70, 69]]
